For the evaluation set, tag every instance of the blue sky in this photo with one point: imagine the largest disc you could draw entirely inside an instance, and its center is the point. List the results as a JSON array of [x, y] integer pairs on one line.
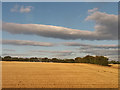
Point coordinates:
[[69, 15]]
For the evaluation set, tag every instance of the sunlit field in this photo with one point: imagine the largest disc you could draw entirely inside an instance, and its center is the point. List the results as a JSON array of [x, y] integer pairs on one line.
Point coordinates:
[[58, 75]]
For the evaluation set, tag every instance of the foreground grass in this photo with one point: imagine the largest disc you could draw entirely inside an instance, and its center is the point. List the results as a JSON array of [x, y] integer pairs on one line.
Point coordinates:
[[58, 75]]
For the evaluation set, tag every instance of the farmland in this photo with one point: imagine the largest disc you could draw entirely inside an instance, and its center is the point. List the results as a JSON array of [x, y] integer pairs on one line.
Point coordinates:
[[58, 75]]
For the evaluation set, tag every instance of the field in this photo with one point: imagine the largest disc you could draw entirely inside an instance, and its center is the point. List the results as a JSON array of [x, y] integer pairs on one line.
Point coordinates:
[[58, 75]]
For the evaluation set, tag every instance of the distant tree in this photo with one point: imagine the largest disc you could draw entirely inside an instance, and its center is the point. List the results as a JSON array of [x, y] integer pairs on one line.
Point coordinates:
[[7, 58], [0, 58], [114, 62], [45, 59], [54, 60], [15, 59], [101, 60], [78, 60], [34, 59], [88, 59], [21, 59], [69, 60]]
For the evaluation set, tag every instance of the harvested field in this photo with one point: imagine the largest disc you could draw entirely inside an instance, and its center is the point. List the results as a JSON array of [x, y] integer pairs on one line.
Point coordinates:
[[58, 75]]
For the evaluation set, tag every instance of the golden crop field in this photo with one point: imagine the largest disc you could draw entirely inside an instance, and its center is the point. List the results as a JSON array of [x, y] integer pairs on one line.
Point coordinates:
[[58, 75]]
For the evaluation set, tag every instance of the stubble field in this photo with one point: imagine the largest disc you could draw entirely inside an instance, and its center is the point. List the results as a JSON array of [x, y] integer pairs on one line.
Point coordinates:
[[58, 75]]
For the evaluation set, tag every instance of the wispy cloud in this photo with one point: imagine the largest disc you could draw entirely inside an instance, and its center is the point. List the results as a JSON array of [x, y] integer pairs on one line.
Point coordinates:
[[16, 54], [27, 42], [89, 45], [110, 51], [14, 9], [48, 51], [105, 29], [58, 54], [21, 9], [92, 10], [64, 55], [11, 50]]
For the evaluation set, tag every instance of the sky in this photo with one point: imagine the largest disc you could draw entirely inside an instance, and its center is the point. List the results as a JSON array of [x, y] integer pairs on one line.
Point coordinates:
[[60, 29]]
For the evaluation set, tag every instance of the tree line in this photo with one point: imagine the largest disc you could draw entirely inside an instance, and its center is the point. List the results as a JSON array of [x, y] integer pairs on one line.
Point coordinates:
[[114, 62], [99, 60]]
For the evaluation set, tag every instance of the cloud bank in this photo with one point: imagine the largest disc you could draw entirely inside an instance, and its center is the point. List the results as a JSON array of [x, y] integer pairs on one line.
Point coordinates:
[[106, 25], [48, 51], [110, 51], [89, 45], [26, 42], [106, 28]]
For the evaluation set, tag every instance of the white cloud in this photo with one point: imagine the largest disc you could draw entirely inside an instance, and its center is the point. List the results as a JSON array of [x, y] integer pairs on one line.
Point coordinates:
[[26, 42], [46, 31], [26, 9], [15, 8], [92, 10], [106, 25], [105, 29], [21, 9]]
